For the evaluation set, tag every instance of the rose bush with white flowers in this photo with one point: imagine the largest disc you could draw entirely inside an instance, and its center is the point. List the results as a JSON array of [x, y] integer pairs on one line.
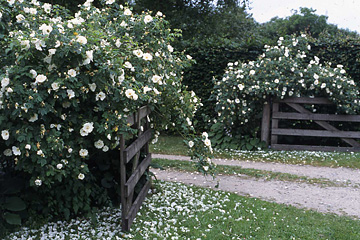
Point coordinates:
[[285, 70], [67, 87]]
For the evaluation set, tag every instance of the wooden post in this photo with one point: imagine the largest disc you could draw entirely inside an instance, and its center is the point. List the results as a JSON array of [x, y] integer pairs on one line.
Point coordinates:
[[124, 206], [265, 124], [274, 122]]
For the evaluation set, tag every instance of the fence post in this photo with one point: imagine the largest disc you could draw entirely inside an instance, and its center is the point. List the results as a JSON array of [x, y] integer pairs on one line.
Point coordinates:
[[265, 124]]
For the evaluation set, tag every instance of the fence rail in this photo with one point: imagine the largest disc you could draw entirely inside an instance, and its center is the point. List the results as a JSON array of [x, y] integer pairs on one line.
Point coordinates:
[[135, 159], [270, 125]]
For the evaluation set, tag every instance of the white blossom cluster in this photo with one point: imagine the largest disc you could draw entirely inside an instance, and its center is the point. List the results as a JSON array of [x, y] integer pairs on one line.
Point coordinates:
[[285, 70], [79, 84]]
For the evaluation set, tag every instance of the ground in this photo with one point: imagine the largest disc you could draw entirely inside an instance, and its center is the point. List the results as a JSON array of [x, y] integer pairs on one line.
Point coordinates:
[[342, 196]]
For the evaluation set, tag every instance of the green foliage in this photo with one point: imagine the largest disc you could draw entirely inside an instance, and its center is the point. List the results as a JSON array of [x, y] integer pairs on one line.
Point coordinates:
[[12, 207], [285, 70], [341, 49], [68, 84], [305, 20], [222, 139], [213, 34]]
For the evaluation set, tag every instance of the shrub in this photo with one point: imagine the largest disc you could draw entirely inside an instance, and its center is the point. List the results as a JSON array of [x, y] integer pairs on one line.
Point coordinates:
[[66, 90], [281, 71]]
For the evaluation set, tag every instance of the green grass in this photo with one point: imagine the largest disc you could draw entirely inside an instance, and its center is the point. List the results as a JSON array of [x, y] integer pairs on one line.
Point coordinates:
[[174, 145], [177, 211], [188, 166], [167, 144]]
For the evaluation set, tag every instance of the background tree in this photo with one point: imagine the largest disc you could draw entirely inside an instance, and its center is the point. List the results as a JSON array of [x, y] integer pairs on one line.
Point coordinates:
[[304, 21]]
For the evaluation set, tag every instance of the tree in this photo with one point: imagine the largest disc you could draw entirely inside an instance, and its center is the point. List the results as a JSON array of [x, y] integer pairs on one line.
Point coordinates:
[[303, 21]]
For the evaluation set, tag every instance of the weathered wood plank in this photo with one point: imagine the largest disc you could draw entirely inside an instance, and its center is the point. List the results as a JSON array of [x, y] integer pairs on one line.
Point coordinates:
[[288, 147], [305, 100], [134, 178], [143, 112], [136, 206], [316, 117], [324, 124], [265, 123], [125, 207], [315, 133], [131, 150], [274, 123]]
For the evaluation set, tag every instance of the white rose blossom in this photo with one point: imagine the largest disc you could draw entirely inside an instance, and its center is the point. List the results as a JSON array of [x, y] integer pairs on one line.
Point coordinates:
[[38, 182], [70, 93], [83, 152], [4, 82], [46, 29], [127, 12], [40, 78], [130, 93], [81, 176], [81, 40], [148, 19], [34, 118], [147, 57], [16, 151], [72, 73], [99, 144], [100, 96], [5, 134]]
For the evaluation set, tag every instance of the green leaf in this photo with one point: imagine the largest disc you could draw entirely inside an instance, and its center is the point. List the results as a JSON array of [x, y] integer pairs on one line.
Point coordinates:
[[14, 204], [249, 146], [13, 219], [105, 183]]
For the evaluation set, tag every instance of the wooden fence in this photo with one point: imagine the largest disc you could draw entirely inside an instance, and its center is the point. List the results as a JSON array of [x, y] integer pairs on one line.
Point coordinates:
[[302, 114], [135, 159]]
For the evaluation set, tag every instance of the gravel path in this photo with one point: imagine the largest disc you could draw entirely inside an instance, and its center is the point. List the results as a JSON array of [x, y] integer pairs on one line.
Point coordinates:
[[340, 200], [333, 174]]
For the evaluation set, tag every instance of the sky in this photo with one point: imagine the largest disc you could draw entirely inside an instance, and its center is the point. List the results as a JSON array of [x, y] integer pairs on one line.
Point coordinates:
[[343, 13]]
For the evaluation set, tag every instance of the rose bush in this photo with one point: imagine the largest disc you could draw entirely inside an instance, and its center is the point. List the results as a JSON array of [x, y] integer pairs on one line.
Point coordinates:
[[285, 70], [68, 85]]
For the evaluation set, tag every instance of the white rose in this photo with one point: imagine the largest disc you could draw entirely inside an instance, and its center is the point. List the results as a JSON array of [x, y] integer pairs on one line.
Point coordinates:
[[83, 152], [127, 12], [5, 134], [148, 19], [81, 176], [71, 73], [99, 144], [40, 78], [5, 82], [81, 39]]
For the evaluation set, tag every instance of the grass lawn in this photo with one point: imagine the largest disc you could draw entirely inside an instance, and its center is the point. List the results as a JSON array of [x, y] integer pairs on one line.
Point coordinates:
[[175, 145], [177, 211]]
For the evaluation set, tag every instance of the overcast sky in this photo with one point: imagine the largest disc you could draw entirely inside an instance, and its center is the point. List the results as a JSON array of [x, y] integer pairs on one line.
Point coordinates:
[[343, 13]]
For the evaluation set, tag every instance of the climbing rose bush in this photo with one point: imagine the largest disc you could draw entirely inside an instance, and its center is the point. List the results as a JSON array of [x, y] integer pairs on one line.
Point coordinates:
[[71, 82], [281, 71]]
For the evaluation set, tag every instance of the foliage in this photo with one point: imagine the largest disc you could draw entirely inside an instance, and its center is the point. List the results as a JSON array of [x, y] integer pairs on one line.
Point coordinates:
[[66, 90], [213, 34], [225, 140], [284, 70], [341, 49], [306, 20]]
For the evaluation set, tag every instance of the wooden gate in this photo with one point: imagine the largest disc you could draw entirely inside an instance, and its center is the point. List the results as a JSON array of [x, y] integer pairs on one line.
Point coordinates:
[[135, 159], [302, 114]]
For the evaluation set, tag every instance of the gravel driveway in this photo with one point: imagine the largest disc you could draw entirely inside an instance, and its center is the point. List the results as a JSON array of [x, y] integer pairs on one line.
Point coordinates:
[[342, 199]]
